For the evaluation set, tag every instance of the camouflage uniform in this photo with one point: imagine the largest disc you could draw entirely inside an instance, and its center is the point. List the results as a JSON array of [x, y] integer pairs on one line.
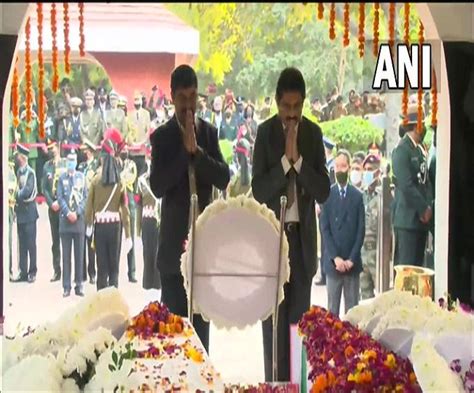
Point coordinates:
[[369, 250]]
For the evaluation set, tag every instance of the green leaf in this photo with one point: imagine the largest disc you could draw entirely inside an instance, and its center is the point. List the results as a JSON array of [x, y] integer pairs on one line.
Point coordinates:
[[111, 368], [115, 357]]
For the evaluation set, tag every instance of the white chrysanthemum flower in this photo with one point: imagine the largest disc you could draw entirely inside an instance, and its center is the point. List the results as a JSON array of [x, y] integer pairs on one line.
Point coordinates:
[[13, 352], [450, 323], [69, 386], [32, 373], [357, 314], [400, 317]]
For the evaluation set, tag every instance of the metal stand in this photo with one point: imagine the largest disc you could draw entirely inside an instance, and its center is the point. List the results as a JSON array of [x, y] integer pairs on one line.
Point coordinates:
[[194, 203], [283, 202]]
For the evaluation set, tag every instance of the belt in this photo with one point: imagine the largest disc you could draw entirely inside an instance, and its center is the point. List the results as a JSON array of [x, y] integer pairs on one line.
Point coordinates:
[[292, 226], [107, 217]]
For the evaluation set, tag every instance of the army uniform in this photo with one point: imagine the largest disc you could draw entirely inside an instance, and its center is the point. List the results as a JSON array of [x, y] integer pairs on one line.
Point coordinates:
[[139, 126], [92, 126], [12, 190], [369, 250], [26, 215], [72, 196], [148, 227], [115, 118], [412, 198], [31, 137], [51, 174], [89, 169], [107, 229]]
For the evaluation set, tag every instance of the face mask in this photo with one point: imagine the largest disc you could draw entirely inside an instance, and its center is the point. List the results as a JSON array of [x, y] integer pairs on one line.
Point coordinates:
[[76, 112], [137, 106], [356, 177], [71, 165], [368, 178], [228, 115], [341, 177]]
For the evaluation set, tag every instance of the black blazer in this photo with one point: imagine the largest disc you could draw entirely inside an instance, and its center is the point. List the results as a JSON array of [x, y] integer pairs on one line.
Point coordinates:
[[169, 180], [269, 182], [343, 229]]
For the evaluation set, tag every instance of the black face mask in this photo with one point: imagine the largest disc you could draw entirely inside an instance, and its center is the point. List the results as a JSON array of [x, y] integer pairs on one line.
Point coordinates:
[[76, 112], [342, 177], [137, 106]]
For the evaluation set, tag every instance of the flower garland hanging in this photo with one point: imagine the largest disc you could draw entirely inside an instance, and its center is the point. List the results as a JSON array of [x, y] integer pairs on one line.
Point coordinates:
[[55, 84], [406, 24], [346, 24], [391, 27], [81, 30], [407, 41], [67, 48], [15, 97], [332, 22], [434, 99], [421, 40], [361, 29], [376, 28], [28, 75], [320, 11], [39, 15]]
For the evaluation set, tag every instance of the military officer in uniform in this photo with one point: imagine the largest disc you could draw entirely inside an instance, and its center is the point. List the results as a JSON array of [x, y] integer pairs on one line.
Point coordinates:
[[12, 191], [72, 196], [148, 228], [29, 137], [138, 133], [371, 193], [26, 215], [51, 174], [116, 116], [107, 211], [89, 168], [92, 125], [413, 200]]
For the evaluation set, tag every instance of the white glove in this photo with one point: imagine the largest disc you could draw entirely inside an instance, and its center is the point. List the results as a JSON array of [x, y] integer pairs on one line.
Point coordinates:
[[89, 231], [128, 245]]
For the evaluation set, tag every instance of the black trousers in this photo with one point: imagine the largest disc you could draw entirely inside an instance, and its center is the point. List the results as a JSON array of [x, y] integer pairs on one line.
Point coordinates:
[[174, 296], [89, 255], [56, 247], [67, 240], [107, 247], [10, 239], [296, 303], [131, 253], [151, 274], [410, 247], [27, 245]]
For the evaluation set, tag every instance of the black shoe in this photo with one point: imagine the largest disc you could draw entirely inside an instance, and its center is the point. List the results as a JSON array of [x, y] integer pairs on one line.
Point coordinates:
[[79, 292], [56, 277], [20, 279], [67, 293], [322, 281], [132, 279], [92, 280], [32, 278]]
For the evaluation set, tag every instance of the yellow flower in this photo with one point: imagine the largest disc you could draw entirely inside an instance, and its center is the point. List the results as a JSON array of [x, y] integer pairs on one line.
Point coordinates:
[[351, 378], [390, 362], [369, 354], [360, 366]]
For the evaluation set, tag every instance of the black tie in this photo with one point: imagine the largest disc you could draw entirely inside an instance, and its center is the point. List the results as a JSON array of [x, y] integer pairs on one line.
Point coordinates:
[[291, 187], [343, 193]]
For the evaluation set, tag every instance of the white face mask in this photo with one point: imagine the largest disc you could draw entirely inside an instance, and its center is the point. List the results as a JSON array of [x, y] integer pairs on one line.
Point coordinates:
[[356, 177]]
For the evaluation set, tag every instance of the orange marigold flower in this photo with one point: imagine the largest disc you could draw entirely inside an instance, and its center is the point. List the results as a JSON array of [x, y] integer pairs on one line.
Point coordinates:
[[412, 377], [349, 351], [320, 384], [331, 378], [338, 325]]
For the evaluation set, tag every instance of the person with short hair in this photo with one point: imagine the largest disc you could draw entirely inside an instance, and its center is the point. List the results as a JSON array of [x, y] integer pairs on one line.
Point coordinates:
[[91, 120], [186, 160], [343, 227], [356, 172], [339, 110]]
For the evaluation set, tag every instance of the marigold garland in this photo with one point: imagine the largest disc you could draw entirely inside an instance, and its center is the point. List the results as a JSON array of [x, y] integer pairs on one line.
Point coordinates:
[[376, 28], [391, 27], [39, 13], [15, 98], [320, 11], [67, 48], [81, 30], [346, 24], [421, 40], [28, 75], [361, 29], [55, 84], [332, 22], [405, 104], [434, 99], [407, 23], [406, 38]]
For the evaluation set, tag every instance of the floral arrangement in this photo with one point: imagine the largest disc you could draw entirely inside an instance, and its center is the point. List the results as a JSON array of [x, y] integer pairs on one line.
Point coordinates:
[[67, 48], [28, 75], [332, 22], [15, 97], [41, 114], [320, 11], [391, 26], [346, 23], [448, 303], [468, 378], [155, 319], [262, 388], [421, 40], [81, 30], [376, 28], [434, 99], [406, 26], [55, 82], [342, 358], [361, 29]]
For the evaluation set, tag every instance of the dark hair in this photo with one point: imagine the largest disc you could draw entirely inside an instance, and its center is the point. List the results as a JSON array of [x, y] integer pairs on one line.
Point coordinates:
[[345, 153], [183, 77], [291, 79], [339, 99], [360, 155]]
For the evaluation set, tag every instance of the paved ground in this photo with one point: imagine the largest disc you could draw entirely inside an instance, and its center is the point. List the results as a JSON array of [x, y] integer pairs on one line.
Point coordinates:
[[237, 354]]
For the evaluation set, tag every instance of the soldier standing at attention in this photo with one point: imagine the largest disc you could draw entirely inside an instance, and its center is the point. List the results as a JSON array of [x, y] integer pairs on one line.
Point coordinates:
[[89, 168], [148, 223], [138, 133], [51, 173], [413, 200], [26, 215], [92, 125], [106, 210], [72, 196], [116, 116], [371, 184]]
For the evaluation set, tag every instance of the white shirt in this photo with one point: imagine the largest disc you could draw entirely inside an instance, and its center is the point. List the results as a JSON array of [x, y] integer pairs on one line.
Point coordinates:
[[342, 188]]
